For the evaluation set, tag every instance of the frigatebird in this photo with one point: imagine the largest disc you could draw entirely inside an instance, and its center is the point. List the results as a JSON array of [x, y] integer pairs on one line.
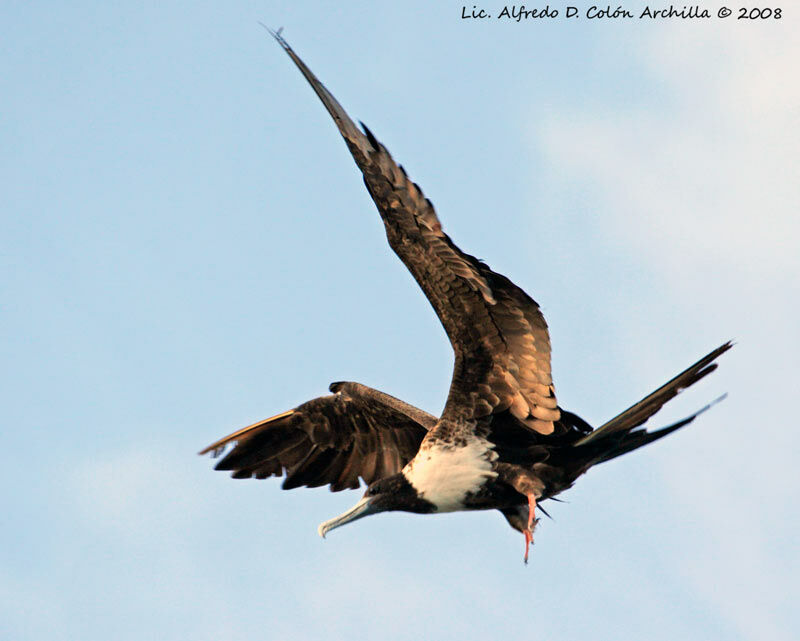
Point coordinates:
[[502, 441]]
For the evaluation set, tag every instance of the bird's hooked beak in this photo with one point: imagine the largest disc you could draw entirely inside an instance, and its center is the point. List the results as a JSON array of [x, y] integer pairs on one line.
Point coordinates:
[[364, 507]]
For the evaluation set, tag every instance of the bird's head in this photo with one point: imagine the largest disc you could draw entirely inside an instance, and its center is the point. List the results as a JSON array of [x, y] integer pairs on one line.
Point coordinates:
[[391, 493]]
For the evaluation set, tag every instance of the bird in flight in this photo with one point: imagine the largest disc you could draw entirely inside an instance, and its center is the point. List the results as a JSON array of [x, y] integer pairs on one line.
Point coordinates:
[[502, 441]]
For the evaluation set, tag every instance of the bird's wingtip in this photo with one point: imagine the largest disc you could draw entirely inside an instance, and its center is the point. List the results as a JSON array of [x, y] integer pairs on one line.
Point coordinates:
[[276, 33]]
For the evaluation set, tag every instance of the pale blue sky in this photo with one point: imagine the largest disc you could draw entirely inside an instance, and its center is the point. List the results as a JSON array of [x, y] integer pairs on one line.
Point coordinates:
[[186, 247]]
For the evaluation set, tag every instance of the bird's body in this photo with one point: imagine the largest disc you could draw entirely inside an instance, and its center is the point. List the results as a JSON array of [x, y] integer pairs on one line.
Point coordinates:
[[502, 441], [452, 476]]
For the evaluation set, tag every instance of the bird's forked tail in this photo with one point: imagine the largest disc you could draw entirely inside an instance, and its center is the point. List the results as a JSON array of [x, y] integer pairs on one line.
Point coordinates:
[[619, 436]]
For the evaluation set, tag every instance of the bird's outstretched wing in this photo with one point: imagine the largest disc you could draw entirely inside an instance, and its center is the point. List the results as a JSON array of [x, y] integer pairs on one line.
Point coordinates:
[[332, 440], [499, 336]]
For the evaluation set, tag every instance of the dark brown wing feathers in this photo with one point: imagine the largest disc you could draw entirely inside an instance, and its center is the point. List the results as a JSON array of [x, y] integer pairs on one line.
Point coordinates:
[[500, 339], [358, 432]]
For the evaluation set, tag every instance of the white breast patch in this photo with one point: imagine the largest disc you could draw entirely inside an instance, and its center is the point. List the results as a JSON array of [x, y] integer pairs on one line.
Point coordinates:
[[444, 475]]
